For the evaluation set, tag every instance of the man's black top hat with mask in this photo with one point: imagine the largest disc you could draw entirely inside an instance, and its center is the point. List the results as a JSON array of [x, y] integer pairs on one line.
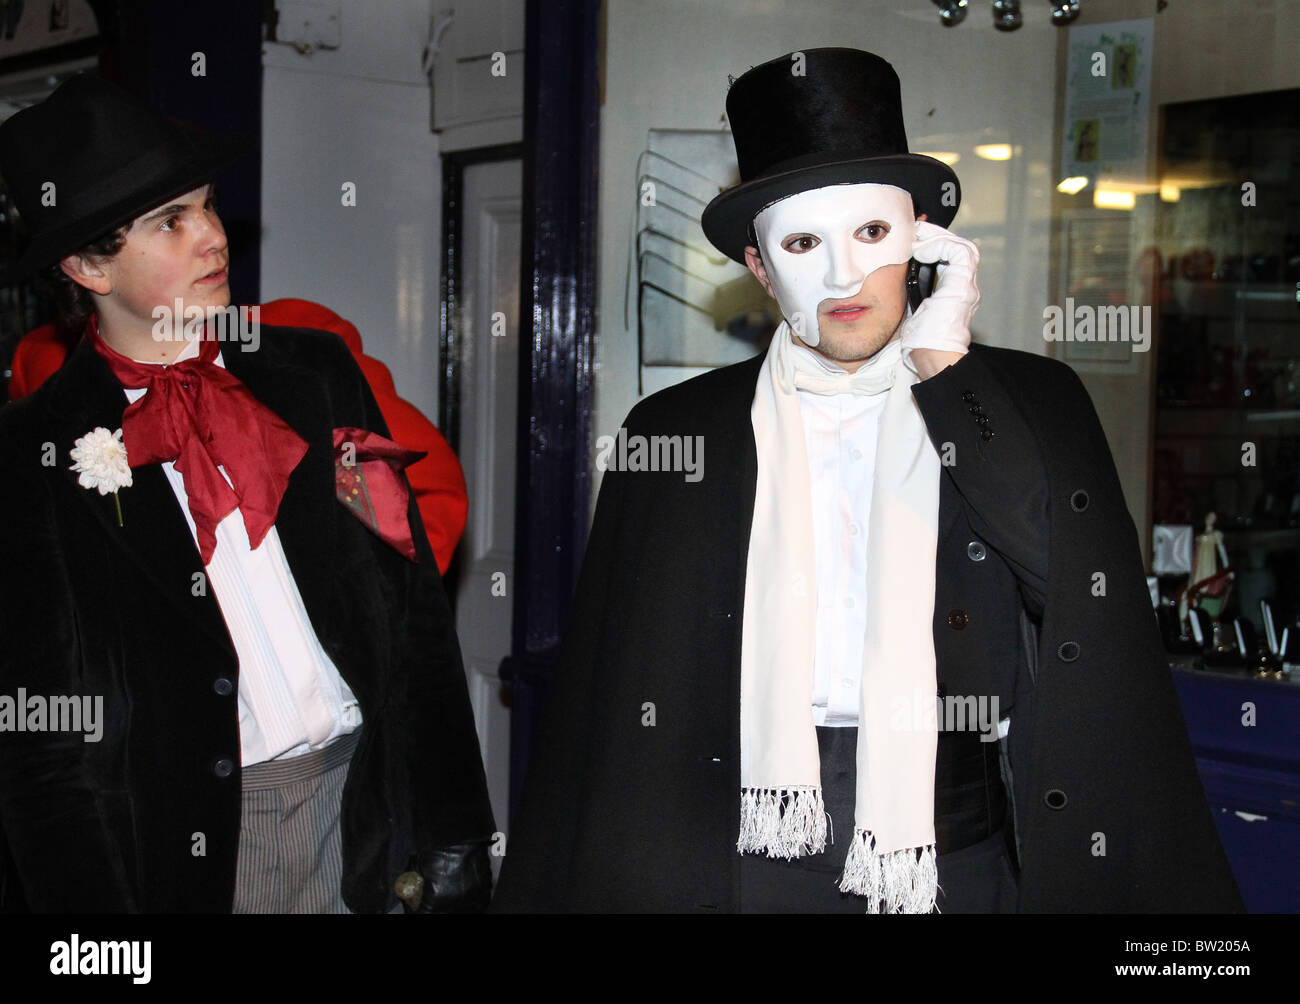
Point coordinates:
[[816, 118]]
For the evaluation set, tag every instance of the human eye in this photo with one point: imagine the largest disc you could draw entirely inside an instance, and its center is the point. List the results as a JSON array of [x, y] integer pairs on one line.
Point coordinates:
[[874, 232], [169, 224], [800, 243]]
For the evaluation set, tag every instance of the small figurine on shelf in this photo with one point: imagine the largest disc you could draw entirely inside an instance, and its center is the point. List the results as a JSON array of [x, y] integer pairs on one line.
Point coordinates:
[[1209, 585]]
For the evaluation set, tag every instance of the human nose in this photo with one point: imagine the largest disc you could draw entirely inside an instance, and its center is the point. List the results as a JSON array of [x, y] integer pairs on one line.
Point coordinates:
[[844, 276], [212, 235]]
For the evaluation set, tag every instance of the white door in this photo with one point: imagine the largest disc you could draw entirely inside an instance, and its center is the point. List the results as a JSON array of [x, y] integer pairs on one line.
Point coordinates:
[[489, 321]]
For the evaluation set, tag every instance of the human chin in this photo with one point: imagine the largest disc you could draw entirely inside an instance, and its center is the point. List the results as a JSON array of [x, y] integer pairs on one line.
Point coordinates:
[[867, 315], [880, 305], [213, 292], [853, 341]]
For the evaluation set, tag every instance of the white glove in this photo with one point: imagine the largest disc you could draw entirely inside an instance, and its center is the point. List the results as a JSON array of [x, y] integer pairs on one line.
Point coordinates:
[[943, 320]]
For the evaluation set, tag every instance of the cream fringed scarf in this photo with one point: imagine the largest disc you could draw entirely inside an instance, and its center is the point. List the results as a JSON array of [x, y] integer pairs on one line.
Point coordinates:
[[891, 857]]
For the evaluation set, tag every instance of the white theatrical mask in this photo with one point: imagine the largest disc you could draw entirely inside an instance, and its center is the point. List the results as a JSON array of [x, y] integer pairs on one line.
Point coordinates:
[[846, 248]]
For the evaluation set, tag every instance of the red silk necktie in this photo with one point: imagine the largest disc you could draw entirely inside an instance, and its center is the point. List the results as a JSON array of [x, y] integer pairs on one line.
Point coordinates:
[[199, 415]]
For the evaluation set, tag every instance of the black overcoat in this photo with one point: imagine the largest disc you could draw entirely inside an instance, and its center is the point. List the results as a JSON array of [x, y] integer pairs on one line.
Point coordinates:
[[90, 607], [1110, 815]]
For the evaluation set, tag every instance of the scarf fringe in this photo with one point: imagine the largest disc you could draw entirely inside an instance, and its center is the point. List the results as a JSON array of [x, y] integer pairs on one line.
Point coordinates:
[[906, 880], [783, 822]]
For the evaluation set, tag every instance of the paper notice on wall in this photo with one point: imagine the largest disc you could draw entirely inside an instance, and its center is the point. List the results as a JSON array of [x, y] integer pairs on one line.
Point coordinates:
[[1107, 101]]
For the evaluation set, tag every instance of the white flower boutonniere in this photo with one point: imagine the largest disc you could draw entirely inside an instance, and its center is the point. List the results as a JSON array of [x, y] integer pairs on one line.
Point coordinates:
[[100, 458]]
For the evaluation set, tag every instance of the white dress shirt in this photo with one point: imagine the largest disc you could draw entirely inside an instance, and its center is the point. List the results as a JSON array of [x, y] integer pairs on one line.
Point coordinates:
[[840, 433], [292, 699]]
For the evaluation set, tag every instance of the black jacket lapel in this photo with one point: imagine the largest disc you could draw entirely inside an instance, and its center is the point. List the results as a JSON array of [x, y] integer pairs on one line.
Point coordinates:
[[154, 532]]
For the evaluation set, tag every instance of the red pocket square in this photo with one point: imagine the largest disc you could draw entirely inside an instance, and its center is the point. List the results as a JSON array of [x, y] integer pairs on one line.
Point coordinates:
[[369, 483]]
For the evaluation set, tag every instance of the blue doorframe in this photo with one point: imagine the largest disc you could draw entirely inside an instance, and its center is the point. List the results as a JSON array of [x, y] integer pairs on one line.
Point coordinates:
[[558, 321]]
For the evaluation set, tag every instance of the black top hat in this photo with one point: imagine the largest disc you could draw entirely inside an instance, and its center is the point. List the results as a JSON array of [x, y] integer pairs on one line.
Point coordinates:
[[108, 157], [834, 117]]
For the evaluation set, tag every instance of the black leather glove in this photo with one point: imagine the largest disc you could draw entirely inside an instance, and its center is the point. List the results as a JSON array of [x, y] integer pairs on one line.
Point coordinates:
[[453, 879]]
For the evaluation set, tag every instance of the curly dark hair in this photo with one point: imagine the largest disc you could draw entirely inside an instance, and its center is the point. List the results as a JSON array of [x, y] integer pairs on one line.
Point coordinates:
[[73, 301]]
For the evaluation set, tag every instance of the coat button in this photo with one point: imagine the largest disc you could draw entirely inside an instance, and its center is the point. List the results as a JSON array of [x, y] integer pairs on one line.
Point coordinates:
[[975, 551], [968, 396], [1069, 651], [223, 685], [957, 619], [1079, 500], [986, 434], [223, 767], [1055, 799]]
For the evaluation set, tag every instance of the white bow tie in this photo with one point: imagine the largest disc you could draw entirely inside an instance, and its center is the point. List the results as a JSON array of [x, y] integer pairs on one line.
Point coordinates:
[[873, 377]]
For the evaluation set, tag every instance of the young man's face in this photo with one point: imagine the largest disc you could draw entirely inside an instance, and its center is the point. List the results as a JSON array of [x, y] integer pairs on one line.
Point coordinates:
[[835, 259], [177, 251]]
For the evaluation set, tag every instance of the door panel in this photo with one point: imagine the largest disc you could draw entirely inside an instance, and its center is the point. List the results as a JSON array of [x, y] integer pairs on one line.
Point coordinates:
[[488, 379]]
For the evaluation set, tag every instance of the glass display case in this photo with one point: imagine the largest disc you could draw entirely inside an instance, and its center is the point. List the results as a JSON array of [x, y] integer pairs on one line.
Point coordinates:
[[1224, 275]]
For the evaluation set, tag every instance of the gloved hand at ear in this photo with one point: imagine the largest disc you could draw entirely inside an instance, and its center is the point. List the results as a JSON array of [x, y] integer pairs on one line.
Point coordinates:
[[942, 322]]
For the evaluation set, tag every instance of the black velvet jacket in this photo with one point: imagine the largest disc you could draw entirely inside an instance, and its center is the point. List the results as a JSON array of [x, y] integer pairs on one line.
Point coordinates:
[[1110, 814], [93, 608]]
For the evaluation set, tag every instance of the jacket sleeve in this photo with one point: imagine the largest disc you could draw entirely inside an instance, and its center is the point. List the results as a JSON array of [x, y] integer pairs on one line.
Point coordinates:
[[62, 853], [1111, 815], [451, 815], [1002, 479], [538, 869]]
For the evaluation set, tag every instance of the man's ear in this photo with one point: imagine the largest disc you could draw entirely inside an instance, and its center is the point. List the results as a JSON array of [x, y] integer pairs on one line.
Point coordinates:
[[754, 263], [86, 273]]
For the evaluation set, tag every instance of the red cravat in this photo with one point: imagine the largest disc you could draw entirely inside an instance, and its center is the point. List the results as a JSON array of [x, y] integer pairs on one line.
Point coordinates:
[[199, 415]]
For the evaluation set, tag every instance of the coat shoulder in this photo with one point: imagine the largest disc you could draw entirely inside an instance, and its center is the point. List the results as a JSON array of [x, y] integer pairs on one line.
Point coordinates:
[[21, 422], [1021, 365], [709, 397], [309, 347], [324, 354], [1047, 392]]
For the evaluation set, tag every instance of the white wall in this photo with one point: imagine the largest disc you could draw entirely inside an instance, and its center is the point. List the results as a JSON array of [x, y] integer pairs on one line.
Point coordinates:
[[358, 113], [666, 65], [361, 113]]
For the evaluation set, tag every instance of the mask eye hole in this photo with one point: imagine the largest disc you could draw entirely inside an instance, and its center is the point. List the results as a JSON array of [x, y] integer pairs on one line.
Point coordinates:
[[873, 232], [799, 243]]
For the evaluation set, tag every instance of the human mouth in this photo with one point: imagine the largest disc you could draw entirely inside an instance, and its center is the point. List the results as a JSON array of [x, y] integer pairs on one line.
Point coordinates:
[[213, 278], [848, 312]]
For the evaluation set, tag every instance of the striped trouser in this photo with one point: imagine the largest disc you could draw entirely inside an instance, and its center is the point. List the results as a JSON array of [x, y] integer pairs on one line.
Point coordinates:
[[290, 846]]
